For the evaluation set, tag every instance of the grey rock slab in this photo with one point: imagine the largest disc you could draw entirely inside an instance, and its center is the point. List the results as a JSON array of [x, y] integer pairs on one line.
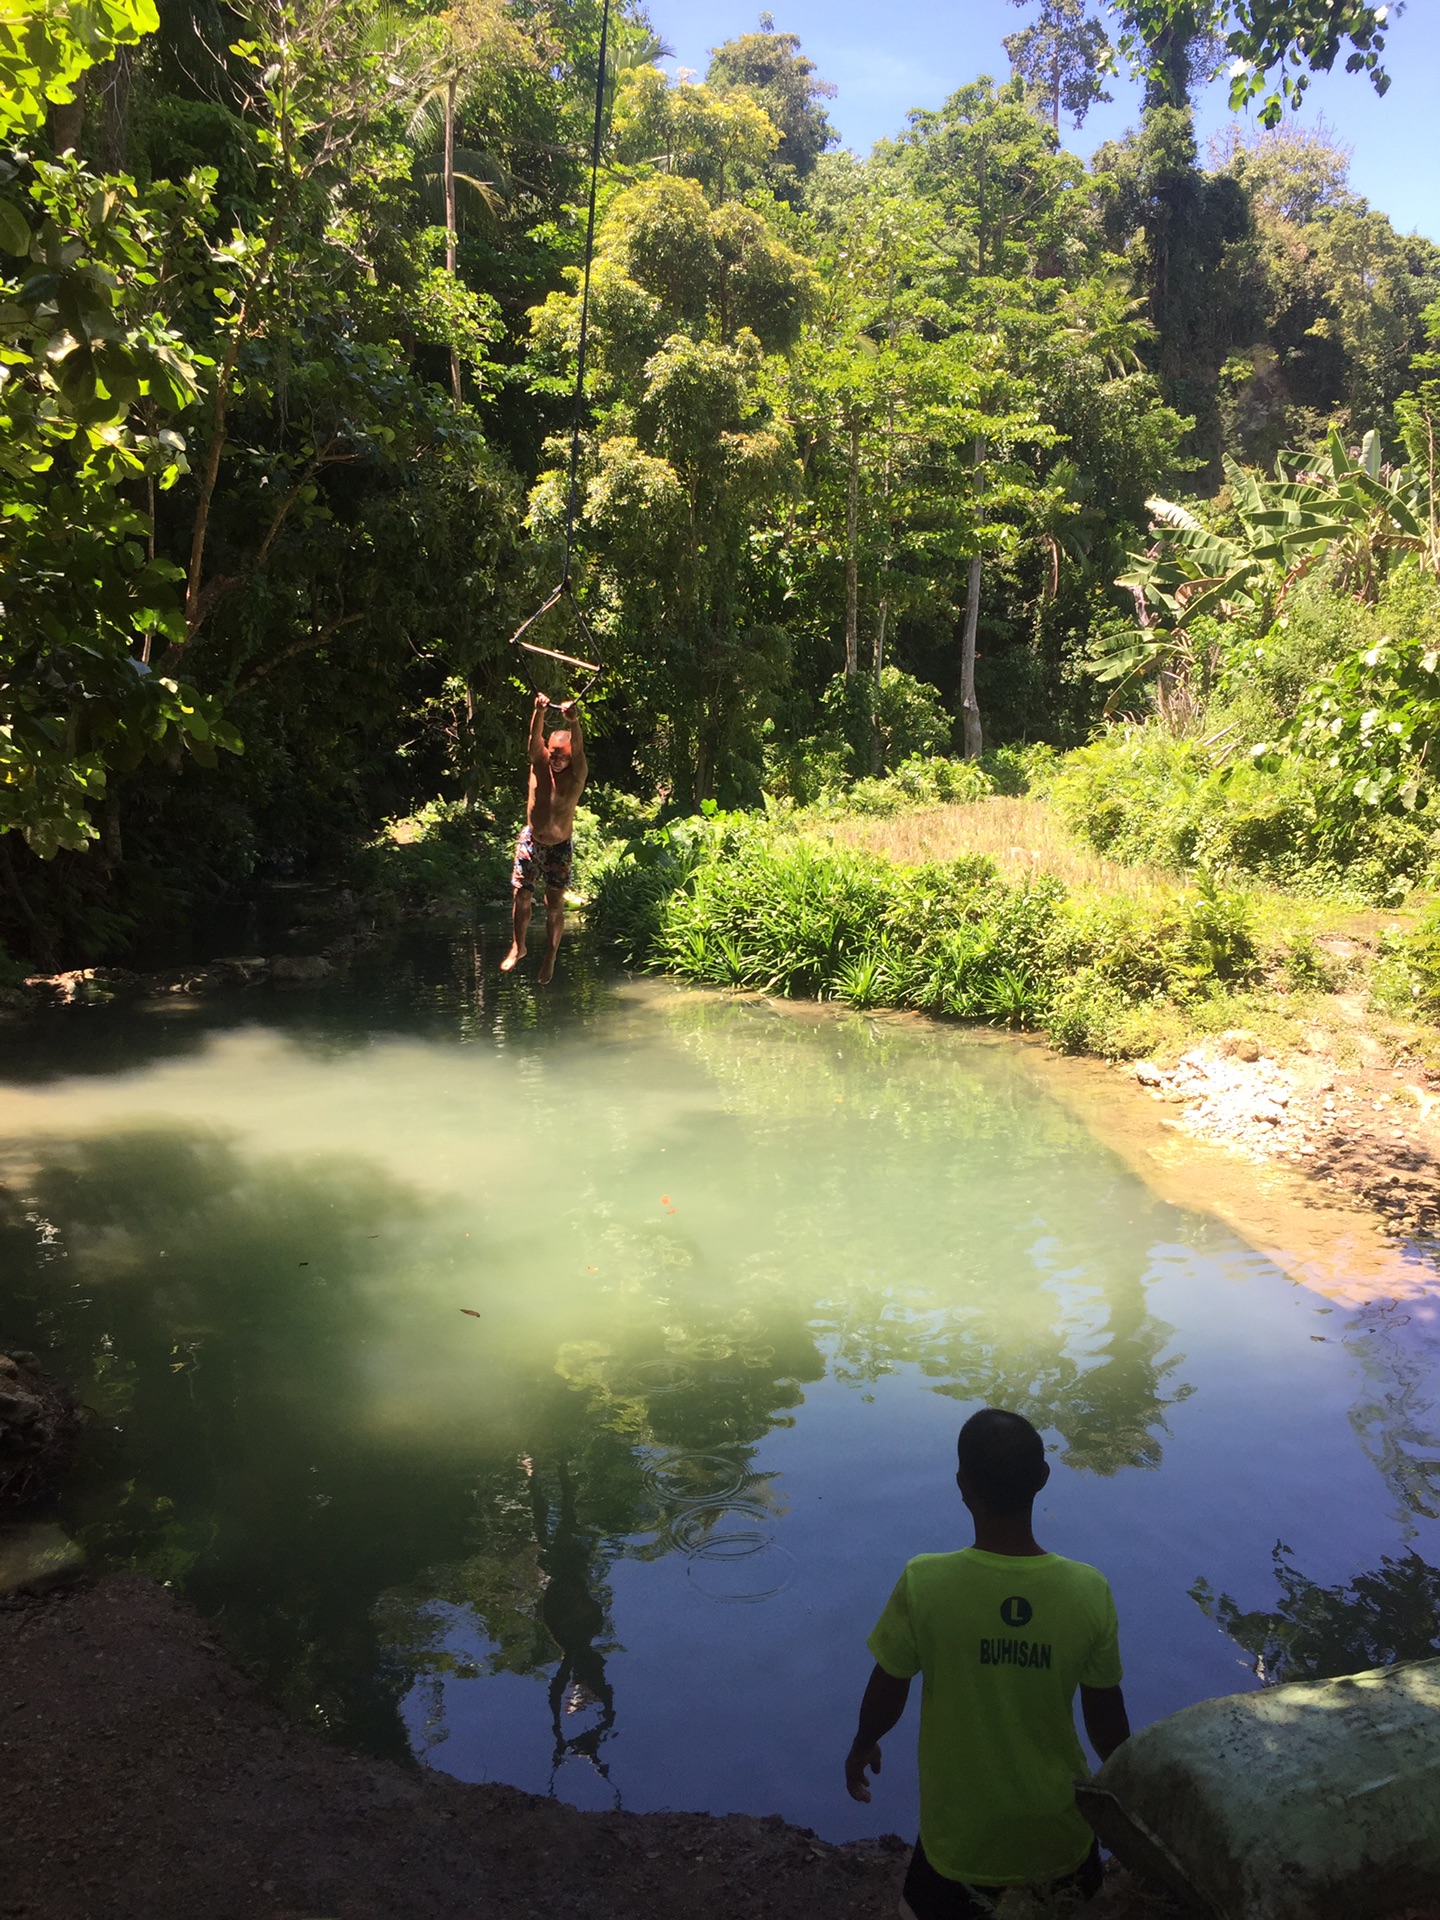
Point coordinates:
[[37, 1554]]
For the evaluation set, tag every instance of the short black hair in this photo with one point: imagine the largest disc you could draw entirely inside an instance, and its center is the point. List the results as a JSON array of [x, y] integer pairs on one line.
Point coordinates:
[[1003, 1458]]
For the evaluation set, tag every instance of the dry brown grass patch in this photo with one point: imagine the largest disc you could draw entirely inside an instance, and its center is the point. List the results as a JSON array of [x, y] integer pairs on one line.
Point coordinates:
[[1020, 836]]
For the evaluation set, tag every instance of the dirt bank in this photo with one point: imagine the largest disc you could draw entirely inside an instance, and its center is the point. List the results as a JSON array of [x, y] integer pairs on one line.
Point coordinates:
[[142, 1777]]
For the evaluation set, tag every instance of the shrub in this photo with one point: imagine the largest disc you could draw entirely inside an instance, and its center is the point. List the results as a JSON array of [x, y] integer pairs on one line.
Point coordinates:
[[1086, 1014], [733, 900], [1420, 955], [445, 856], [918, 783], [869, 732], [1017, 770], [1142, 795]]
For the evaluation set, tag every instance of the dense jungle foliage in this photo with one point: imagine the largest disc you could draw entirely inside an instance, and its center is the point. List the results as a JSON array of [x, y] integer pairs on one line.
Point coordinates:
[[962, 447]]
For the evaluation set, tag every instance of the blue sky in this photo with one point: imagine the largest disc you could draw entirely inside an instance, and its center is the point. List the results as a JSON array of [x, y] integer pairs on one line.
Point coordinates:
[[886, 59]]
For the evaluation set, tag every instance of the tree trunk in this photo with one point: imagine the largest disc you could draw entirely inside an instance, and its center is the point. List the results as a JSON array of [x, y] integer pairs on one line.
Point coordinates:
[[67, 119], [472, 770], [969, 706], [1055, 89], [877, 748], [110, 832], [852, 567], [113, 143], [451, 238]]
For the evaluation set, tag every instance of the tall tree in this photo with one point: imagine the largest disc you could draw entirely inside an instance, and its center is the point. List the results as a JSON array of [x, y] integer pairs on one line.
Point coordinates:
[[1189, 242], [1062, 58], [770, 67], [691, 305]]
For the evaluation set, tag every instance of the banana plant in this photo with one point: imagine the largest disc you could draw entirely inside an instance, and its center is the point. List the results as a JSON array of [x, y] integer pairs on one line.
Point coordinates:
[[1349, 510]]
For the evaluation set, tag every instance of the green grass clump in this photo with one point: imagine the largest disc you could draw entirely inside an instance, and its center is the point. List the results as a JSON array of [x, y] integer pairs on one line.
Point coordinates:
[[734, 901]]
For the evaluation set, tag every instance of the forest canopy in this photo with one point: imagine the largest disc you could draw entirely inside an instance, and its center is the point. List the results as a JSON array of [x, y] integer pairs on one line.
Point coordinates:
[[946, 448]]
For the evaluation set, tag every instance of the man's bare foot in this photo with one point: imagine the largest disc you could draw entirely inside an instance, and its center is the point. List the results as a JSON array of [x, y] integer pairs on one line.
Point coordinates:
[[513, 958], [547, 969]]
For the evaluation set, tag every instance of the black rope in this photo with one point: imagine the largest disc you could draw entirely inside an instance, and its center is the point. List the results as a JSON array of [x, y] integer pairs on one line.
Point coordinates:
[[578, 419]]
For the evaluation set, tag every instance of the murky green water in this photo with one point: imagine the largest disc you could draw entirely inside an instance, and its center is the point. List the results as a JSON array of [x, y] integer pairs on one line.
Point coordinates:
[[556, 1384]]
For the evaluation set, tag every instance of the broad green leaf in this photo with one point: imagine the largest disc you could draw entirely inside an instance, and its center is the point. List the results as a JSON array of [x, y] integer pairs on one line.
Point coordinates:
[[14, 229]]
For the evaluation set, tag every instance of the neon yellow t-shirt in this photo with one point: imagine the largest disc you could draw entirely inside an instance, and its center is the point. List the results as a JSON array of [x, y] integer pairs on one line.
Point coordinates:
[[1003, 1641]]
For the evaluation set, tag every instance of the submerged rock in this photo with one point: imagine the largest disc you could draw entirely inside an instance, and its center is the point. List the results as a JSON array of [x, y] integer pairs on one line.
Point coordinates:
[[243, 969], [300, 969], [39, 1429], [35, 1555]]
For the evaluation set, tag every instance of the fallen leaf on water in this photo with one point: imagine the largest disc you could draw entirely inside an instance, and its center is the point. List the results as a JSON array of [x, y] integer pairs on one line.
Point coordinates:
[[472, 1313]]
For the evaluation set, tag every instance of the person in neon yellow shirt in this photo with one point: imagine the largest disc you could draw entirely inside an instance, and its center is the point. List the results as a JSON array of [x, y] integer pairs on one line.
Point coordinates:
[[1003, 1633]]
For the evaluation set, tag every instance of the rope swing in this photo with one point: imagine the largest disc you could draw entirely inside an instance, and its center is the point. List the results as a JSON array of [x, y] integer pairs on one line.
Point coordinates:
[[565, 591]]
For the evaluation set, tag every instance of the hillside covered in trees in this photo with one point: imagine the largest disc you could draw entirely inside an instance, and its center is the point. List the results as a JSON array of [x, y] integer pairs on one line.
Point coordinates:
[[963, 447]]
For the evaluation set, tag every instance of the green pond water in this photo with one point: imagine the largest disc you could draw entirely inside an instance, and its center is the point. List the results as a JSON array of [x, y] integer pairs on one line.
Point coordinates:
[[553, 1385]]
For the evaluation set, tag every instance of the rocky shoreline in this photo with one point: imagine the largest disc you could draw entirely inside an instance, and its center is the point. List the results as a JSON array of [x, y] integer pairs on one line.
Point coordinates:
[[1369, 1134]]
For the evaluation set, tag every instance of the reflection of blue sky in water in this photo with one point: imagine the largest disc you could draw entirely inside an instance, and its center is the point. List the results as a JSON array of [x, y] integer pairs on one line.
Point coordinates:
[[737, 1275]]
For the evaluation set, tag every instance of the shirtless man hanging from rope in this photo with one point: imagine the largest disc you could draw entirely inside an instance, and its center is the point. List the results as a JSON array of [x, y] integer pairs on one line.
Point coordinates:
[[545, 848]]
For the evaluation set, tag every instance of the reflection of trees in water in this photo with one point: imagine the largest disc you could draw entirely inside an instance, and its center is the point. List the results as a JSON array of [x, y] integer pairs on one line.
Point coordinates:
[[248, 1470], [1397, 1344], [1045, 1310], [1314, 1633], [215, 1314], [222, 1315], [631, 1450]]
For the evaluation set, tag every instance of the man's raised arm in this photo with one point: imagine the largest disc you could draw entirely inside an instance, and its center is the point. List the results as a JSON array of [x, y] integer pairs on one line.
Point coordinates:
[[537, 730], [570, 714]]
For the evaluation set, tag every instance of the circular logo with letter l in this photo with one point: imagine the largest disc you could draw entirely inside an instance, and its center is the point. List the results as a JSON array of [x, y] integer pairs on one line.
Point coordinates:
[[1016, 1612]]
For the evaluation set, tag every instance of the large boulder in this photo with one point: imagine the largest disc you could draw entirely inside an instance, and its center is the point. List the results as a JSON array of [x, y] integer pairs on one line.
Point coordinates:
[[1313, 1801], [36, 1555], [39, 1431]]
